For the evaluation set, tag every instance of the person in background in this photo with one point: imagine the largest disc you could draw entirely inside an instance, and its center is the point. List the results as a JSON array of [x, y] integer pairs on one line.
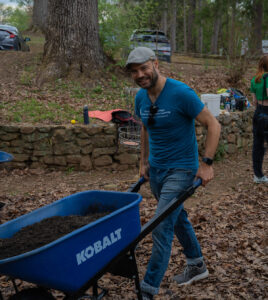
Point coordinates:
[[169, 159], [260, 101]]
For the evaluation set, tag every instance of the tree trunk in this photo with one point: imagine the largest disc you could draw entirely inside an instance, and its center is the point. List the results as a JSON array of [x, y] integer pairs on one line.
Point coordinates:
[[216, 27], [191, 19], [185, 46], [215, 36], [232, 31], [257, 27], [72, 39], [173, 25], [40, 14], [164, 18], [200, 30]]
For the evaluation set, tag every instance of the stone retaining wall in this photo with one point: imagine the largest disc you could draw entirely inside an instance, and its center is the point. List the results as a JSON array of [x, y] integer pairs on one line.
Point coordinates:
[[236, 132], [86, 147]]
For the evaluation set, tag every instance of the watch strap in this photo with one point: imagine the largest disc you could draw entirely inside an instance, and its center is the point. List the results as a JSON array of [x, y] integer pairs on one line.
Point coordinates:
[[207, 160]]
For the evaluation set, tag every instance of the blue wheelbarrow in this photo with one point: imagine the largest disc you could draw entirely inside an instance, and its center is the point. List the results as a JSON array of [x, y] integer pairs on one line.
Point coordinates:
[[4, 157], [75, 262]]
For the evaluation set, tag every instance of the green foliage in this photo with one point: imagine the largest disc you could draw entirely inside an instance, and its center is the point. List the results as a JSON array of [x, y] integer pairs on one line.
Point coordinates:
[[118, 19], [148, 14], [220, 153], [69, 170], [26, 3], [115, 28], [18, 17]]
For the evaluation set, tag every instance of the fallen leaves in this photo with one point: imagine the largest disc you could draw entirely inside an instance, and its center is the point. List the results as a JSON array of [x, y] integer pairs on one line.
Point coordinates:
[[229, 217]]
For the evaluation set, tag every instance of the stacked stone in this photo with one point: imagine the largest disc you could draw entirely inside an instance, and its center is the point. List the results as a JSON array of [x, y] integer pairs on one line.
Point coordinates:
[[80, 147], [86, 147]]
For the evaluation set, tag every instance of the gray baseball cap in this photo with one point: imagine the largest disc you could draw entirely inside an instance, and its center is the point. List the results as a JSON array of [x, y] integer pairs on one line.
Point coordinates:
[[140, 55]]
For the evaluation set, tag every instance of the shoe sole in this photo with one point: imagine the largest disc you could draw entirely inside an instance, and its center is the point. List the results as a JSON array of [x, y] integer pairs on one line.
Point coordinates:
[[196, 278]]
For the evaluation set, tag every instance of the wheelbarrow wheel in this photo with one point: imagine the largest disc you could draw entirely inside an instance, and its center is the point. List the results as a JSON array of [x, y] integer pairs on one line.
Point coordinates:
[[32, 294]]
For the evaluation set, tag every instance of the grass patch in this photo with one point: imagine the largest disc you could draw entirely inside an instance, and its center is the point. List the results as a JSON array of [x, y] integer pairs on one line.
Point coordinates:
[[37, 39], [97, 90], [34, 111], [220, 153], [26, 78]]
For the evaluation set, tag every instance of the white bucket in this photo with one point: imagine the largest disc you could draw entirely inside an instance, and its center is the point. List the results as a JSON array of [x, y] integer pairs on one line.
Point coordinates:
[[212, 102]]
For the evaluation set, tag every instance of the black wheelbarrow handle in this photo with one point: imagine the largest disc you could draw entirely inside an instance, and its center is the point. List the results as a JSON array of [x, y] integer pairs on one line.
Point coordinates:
[[136, 186], [169, 208]]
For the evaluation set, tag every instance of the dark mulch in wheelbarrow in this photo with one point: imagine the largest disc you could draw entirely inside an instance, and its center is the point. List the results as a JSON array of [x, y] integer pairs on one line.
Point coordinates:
[[46, 231]]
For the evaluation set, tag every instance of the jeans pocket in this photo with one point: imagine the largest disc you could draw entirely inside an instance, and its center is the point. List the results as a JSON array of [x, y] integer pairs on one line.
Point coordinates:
[[178, 180]]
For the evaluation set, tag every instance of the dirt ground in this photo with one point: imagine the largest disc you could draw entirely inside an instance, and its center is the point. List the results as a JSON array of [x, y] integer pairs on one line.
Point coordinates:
[[229, 217]]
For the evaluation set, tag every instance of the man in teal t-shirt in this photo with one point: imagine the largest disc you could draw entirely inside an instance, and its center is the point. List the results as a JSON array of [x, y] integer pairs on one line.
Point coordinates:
[[169, 159], [172, 139]]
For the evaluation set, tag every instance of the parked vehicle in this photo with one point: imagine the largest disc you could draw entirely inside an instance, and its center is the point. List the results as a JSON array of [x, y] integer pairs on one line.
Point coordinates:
[[12, 39], [153, 39], [264, 46]]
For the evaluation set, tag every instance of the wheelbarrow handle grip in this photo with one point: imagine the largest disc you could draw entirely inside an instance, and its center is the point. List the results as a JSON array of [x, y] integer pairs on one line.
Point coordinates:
[[136, 186]]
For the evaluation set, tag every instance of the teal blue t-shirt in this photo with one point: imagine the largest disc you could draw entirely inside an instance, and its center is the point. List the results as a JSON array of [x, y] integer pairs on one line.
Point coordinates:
[[172, 139]]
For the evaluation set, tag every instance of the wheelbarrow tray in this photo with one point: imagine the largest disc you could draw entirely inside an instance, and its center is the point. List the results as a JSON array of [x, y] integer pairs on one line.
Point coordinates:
[[67, 263], [5, 157]]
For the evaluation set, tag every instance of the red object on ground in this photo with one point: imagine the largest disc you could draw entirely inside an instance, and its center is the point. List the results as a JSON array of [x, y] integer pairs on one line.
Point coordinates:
[[105, 116]]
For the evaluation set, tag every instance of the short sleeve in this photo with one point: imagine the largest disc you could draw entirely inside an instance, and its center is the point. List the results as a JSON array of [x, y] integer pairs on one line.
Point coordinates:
[[192, 103]]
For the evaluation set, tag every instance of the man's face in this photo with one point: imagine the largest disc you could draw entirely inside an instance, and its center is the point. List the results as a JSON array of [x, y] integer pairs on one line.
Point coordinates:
[[146, 74]]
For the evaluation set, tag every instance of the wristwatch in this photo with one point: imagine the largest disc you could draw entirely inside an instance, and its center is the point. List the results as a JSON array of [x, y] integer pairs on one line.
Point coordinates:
[[207, 161]]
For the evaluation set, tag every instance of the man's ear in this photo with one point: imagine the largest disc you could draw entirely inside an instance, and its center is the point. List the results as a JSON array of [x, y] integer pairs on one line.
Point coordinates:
[[156, 64]]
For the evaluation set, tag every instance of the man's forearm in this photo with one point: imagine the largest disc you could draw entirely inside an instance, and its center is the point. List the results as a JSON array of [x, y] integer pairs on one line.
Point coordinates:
[[212, 139]]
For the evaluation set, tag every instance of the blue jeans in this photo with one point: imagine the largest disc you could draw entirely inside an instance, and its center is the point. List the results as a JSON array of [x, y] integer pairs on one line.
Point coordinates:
[[165, 185]]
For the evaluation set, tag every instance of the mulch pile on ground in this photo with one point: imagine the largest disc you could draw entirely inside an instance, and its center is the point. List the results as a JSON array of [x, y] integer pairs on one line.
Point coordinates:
[[46, 231]]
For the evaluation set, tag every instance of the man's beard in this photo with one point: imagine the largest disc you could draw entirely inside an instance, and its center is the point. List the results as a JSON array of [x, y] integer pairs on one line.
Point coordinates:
[[153, 82]]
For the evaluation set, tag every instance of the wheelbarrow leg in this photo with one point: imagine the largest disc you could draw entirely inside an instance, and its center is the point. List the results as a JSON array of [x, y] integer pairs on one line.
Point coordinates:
[[14, 285], [96, 295], [127, 267], [136, 275]]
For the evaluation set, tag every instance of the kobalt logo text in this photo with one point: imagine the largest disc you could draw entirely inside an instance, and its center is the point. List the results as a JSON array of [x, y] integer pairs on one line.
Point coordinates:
[[98, 246]]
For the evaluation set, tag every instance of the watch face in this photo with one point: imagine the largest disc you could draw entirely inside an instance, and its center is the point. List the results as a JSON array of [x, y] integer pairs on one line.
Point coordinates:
[[207, 161]]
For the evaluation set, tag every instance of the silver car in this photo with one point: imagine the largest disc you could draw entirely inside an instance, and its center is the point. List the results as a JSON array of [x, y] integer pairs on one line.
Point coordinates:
[[153, 39], [11, 39]]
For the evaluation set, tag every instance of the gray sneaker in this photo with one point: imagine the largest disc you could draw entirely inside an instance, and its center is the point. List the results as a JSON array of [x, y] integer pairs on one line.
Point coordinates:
[[191, 273], [262, 179]]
